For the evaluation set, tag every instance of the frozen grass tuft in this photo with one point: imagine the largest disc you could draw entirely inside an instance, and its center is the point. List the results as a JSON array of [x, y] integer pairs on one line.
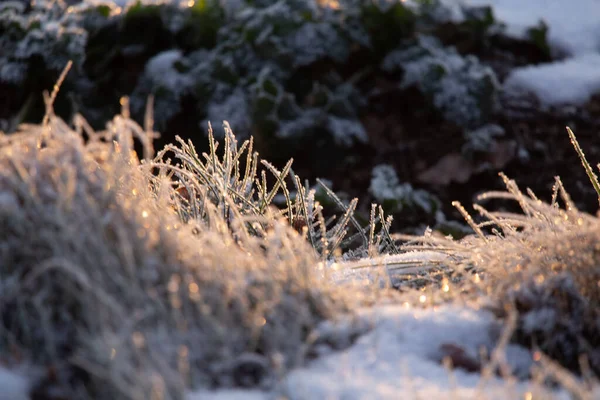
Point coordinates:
[[543, 264], [137, 279]]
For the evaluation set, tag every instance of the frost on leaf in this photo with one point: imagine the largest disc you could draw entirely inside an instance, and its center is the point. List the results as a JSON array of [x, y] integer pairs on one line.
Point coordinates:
[[165, 77], [344, 130], [314, 41], [395, 196], [260, 55], [461, 88], [235, 110], [483, 138], [438, 11], [44, 32]]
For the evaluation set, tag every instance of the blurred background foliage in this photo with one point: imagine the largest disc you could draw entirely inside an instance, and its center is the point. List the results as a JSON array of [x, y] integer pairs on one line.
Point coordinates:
[[343, 86]]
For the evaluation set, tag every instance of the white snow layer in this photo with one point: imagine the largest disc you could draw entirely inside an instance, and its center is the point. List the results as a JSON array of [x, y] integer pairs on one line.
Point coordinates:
[[13, 386], [571, 81], [400, 358], [573, 30]]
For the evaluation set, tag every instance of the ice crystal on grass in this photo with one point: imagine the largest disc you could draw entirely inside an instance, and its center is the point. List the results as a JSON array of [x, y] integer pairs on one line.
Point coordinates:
[[207, 179]]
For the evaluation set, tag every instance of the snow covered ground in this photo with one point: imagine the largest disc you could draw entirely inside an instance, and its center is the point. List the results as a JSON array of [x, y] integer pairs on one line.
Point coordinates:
[[401, 358], [574, 30], [570, 81], [14, 385]]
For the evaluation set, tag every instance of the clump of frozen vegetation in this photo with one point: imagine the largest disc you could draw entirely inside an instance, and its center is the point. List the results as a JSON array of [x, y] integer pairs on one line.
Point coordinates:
[[128, 277], [255, 67], [36, 42], [549, 274], [122, 276], [542, 268], [296, 74], [483, 138], [461, 88]]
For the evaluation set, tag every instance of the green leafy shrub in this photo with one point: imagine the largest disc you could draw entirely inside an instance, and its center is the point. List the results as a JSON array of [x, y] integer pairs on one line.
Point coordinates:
[[286, 69], [36, 45], [396, 197], [37, 42], [461, 88]]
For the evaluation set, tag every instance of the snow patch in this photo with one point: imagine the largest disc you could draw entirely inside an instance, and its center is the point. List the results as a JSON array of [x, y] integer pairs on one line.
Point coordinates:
[[227, 394], [572, 81], [400, 359], [162, 68], [573, 30], [13, 386]]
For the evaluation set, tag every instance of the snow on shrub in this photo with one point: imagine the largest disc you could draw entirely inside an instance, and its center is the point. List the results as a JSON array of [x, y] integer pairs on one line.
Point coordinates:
[[395, 196], [461, 88], [224, 50], [43, 34]]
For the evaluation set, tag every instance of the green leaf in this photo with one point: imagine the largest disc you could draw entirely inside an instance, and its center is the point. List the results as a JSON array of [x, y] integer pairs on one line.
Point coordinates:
[[539, 36]]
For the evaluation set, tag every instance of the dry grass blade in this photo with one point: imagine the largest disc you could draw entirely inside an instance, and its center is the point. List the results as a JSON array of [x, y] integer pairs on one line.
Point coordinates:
[[586, 165]]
